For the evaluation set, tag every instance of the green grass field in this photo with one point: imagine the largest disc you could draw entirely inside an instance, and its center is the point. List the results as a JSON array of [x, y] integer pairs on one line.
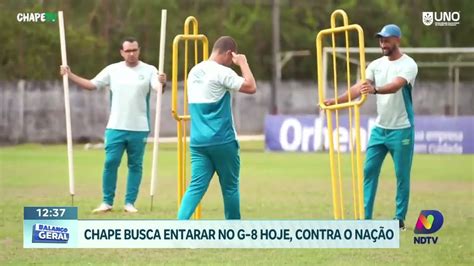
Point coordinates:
[[273, 186]]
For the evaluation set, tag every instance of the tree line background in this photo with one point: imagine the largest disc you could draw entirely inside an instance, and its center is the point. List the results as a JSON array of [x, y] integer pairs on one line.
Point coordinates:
[[94, 29]]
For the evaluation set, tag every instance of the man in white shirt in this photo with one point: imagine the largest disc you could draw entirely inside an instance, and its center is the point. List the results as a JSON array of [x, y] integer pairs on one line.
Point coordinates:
[[214, 145], [130, 82], [391, 78]]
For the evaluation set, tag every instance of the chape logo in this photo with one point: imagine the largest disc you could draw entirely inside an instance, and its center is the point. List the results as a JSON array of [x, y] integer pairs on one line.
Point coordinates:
[[441, 18], [37, 17]]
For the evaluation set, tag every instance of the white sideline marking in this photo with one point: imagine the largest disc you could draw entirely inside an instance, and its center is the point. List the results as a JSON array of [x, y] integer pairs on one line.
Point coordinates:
[[88, 146]]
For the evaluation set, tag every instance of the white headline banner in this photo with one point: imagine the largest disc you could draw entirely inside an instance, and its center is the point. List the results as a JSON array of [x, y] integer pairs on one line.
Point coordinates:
[[237, 234]]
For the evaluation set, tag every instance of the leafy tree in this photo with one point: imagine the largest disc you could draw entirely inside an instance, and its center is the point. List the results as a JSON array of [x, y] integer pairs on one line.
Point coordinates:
[[94, 29]]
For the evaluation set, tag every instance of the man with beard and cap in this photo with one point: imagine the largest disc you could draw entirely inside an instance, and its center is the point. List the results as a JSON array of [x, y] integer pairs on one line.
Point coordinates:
[[391, 78]]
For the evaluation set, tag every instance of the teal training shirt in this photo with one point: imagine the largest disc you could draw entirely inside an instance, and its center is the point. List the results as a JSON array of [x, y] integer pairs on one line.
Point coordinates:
[[394, 110], [210, 103]]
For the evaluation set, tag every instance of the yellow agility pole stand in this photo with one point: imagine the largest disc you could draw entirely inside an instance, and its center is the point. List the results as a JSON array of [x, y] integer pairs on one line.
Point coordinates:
[[184, 117], [353, 107]]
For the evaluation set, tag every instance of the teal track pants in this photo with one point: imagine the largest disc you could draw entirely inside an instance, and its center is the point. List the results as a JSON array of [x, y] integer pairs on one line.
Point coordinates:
[[400, 144], [205, 161], [116, 142]]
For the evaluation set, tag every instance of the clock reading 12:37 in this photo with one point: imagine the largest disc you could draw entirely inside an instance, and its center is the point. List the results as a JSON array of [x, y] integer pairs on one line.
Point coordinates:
[[50, 213]]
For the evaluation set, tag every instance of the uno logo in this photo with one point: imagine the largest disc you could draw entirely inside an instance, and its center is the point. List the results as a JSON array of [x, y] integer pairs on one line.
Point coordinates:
[[429, 222]]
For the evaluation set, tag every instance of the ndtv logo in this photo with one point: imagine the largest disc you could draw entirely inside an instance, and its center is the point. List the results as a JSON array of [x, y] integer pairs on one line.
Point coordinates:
[[37, 17], [441, 18], [429, 222]]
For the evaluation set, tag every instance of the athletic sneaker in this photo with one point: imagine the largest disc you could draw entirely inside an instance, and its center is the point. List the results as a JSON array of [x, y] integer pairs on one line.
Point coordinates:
[[130, 208], [401, 224], [104, 207]]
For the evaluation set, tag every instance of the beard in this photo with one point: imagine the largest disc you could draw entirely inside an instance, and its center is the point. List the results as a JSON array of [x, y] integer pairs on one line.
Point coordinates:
[[388, 51]]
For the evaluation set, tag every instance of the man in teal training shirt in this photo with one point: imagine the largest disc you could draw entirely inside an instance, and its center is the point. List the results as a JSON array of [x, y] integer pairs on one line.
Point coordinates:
[[130, 82], [214, 146], [391, 78]]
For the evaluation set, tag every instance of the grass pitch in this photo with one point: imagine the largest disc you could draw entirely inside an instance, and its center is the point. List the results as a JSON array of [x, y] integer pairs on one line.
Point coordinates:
[[273, 186]]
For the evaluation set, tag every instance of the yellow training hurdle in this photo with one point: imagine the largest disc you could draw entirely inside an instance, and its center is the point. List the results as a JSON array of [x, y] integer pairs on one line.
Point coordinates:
[[353, 107], [184, 117]]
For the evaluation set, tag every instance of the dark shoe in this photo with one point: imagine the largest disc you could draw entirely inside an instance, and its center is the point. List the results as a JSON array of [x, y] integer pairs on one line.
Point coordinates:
[[401, 224]]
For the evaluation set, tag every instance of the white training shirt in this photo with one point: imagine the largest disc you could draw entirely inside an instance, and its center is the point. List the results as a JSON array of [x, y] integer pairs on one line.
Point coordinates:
[[129, 94], [394, 110], [210, 103]]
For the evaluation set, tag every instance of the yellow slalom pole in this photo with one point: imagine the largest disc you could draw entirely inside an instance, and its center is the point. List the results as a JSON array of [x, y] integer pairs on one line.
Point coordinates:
[[185, 112], [336, 198], [182, 119], [338, 151], [353, 106], [334, 183], [205, 56], [194, 22], [180, 163], [355, 195], [360, 174]]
